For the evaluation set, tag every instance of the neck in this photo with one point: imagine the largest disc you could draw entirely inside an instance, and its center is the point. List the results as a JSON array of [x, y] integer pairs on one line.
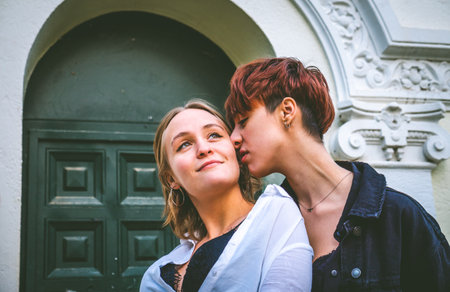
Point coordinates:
[[314, 173], [223, 212]]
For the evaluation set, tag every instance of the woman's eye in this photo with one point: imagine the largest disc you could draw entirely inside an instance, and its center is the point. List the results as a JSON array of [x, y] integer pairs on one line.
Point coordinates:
[[183, 145], [214, 135], [242, 122]]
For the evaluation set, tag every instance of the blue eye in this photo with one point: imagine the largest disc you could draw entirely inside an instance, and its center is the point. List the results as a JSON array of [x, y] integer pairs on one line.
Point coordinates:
[[183, 145], [214, 135]]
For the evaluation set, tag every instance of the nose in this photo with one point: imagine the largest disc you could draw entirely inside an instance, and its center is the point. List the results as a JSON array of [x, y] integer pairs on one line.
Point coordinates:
[[203, 148], [236, 138]]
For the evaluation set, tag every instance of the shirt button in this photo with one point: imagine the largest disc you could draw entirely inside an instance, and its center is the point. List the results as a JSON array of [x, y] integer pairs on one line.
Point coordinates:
[[356, 273], [215, 273], [357, 231], [334, 273]]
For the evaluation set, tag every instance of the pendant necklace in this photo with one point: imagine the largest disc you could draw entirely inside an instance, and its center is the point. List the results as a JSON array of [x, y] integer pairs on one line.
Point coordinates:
[[312, 207]]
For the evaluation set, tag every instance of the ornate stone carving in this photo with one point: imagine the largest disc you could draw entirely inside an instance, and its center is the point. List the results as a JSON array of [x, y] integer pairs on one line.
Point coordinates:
[[401, 74], [392, 128], [412, 76], [345, 18], [393, 131]]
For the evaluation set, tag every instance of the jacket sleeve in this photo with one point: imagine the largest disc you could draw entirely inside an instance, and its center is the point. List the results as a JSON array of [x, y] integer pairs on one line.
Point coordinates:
[[426, 251]]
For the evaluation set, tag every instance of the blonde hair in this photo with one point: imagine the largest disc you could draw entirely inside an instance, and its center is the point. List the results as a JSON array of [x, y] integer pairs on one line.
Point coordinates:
[[182, 216]]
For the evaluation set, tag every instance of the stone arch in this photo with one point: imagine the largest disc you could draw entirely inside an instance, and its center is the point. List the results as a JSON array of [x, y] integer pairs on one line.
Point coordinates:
[[220, 21], [123, 166]]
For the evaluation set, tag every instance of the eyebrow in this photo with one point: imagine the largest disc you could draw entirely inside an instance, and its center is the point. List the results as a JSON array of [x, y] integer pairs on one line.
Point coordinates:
[[242, 120], [207, 126]]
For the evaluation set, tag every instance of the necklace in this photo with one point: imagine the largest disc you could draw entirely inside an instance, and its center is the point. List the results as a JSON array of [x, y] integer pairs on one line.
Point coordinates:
[[323, 199], [235, 223]]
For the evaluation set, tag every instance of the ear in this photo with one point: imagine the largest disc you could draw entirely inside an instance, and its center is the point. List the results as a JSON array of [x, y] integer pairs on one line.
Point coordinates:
[[172, 182], [289, 110]]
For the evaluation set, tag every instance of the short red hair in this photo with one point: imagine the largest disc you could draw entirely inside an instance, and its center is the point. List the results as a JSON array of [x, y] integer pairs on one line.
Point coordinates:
[[269, 81]]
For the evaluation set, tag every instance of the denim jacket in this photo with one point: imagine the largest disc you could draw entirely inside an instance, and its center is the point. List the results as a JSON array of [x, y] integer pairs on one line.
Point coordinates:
[[387, 242]]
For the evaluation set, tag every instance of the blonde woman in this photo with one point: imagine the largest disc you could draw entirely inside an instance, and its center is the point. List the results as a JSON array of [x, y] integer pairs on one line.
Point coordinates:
[[228, 243]]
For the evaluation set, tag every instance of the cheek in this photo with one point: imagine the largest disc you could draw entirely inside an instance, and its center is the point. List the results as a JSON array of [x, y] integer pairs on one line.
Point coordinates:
[[232, 158], [180, 169]]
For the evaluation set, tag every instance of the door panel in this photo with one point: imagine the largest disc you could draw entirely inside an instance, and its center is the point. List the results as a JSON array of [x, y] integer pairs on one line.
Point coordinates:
[[138, 179], [74, 248], [75, 177], [107, 185]]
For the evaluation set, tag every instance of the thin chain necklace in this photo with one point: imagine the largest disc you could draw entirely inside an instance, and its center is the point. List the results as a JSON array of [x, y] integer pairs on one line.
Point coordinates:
[[323, 199], [230, 227]]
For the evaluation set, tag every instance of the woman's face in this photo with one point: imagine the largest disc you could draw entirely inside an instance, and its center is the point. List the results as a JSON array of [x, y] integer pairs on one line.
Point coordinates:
[[200, 153], [259, 136]]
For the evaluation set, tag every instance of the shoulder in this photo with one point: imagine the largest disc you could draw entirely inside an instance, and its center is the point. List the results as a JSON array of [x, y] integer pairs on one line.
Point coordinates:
[[276, 197], [410, 212], [151, 280], [276, 192], [275, 205], [403, 204], [180, 254]]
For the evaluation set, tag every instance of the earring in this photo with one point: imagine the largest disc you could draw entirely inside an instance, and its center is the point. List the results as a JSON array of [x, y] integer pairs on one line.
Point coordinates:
[[286, 125], [173, 201]]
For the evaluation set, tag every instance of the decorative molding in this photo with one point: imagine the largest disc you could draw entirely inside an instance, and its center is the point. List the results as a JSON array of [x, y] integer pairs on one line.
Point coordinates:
[[393, 130], [389, 103], [371, 75], [392, 40], [413, 76]]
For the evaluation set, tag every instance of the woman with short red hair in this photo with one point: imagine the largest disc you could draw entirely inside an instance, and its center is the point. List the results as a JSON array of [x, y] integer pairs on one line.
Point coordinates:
[[365, 235]]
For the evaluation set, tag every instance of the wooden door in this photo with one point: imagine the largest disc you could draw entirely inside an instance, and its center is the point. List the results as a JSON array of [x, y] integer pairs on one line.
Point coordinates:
[[92, 198], [98, 225]]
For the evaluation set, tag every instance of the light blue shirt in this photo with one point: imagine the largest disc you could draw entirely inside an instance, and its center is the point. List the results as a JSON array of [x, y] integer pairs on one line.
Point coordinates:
[[269, 251]]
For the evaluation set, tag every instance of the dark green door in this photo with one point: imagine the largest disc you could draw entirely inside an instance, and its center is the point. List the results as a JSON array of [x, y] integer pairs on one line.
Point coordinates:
[[92, 199], [99, 221]]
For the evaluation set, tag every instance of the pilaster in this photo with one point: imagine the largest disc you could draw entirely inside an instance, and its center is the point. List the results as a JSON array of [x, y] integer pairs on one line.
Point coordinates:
[[395, 90]]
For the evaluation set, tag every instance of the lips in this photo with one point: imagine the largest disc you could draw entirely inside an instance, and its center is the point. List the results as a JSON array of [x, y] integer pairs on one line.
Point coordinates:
[[243, 155], [208, 163]]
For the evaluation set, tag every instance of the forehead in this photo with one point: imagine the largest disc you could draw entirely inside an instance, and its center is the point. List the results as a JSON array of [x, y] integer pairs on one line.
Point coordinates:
[[190, 120]]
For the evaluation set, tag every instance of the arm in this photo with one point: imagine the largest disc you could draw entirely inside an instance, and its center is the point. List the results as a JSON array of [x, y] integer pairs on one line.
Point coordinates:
[[426, 251], [291, 270]]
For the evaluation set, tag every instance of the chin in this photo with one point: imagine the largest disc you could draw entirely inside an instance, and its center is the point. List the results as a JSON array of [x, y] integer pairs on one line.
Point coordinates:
[[222, 181], [258, 172]]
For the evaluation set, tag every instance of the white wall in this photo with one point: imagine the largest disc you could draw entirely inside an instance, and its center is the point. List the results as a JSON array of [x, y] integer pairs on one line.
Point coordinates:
[[431, 14], [20, 22], [441, 188]]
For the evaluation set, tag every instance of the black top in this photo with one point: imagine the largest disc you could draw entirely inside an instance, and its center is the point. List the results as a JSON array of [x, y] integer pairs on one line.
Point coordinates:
[[199, 266], [387, 242]]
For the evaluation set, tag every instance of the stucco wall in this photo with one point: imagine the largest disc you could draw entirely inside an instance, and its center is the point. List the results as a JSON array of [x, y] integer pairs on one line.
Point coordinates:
[[431, 14], [20, 22], [441, 188]]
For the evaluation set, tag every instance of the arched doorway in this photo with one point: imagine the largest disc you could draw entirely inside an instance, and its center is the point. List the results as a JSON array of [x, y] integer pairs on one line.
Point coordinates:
[[91, 194]]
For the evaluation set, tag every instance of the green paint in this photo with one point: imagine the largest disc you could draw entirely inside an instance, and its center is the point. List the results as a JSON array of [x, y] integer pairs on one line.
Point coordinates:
[[92, 200]]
